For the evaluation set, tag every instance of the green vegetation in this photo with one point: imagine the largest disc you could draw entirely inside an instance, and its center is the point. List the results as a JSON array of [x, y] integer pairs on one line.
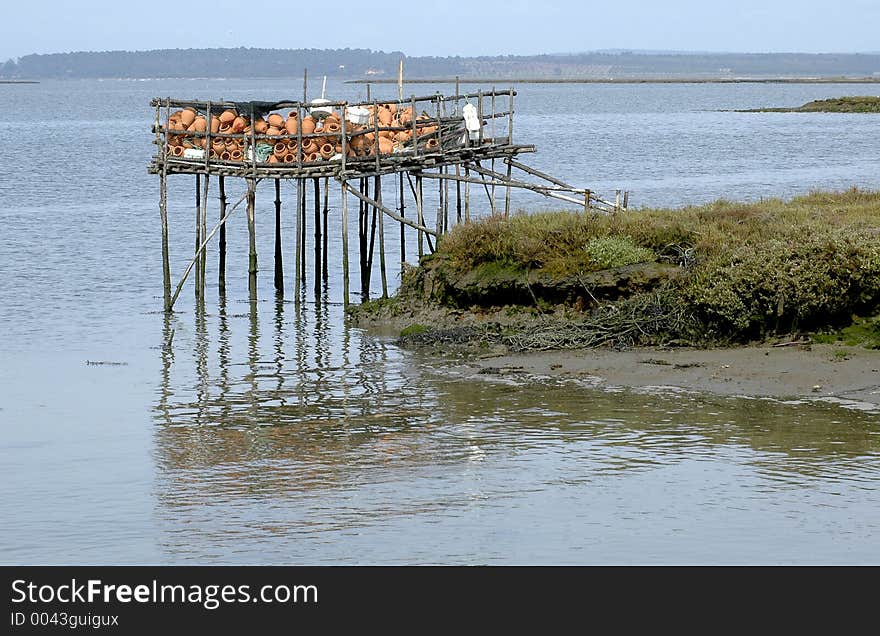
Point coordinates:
[[724, 272], [863, 332], [414, 330], [857, 104]]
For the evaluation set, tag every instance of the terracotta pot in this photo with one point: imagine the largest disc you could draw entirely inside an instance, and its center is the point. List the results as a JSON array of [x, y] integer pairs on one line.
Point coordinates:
[[405, 116], [289, 158], [403, 136], [387, 134], [177, 151], [292, 146], [327, 150], [227, 116], [273, 159], [225, 128], [276, 120], [236, 155], [308, 125], [291, 125], [218, 145], [280, 149], [392, 107], [239, 124], [215, 124], [187, 116], [433, 142], [314, 156], [332, 127], [309, 146], [224, 156], [386, 146], [199, 124], [261, 126], [384, 117]]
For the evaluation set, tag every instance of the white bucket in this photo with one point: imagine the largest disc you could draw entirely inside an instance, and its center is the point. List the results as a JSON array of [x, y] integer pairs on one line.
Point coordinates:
[[357, 115], [319, 112], [193, 153]]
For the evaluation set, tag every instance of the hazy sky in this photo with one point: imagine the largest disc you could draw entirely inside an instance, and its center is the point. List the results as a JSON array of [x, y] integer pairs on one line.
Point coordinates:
[[487, 27]]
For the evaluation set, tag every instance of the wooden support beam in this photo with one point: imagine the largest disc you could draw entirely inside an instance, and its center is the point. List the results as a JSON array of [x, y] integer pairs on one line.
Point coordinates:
[[198, 280], [378, 193], [324, 267], [400, 193], [390, 213], [252, 238], [203, 227], [297, 256], [163, 215], [345, 187], [279, 259], [221, 277], [317, 187]]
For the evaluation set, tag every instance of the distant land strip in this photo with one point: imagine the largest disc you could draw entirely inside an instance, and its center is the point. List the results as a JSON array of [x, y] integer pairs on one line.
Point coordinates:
[[626, 80], [18, 81]]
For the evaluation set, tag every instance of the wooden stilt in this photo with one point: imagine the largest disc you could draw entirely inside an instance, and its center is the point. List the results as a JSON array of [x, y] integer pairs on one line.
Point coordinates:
[[203, 231], [221, 277], [345, 281], [279, 259], [252, 239], [420, 215], [467, 194], [163, 214], [302, 231], [317, 185], [198, 277], [297, 257], [363, 226], [402, 226], [378, 194], [507, 192], [324, 267]]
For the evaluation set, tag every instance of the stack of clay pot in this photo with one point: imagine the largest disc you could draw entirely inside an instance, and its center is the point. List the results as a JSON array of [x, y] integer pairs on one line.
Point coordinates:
[[321, 138], [186, 129], [363, 138]]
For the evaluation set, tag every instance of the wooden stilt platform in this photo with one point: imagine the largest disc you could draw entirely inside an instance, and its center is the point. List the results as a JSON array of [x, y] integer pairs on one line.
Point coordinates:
[[438, 140]]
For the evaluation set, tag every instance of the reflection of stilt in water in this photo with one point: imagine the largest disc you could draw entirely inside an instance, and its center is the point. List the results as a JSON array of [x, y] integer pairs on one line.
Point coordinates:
[[223, 360], [279, 344], [201, 357], [165, 392], [254, 357]]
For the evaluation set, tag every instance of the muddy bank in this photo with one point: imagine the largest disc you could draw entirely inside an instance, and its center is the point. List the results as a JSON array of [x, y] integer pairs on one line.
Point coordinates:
[[850, 375]]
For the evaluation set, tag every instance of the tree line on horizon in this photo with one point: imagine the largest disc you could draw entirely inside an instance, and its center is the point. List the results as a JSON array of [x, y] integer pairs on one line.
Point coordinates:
[[365, 63]]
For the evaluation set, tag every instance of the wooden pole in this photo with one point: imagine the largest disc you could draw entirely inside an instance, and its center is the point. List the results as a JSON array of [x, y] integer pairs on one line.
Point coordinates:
[[324, 267], [203, 223], [402, 226], [163, 214], [467, 194], [507, 193], [221, 278], [363, 224], [344, 243], [457, 168], [198, 279], [420, 215], [378, 194], [297, 269], [279, 267], [252, 238], [317, 185], [302, 230]]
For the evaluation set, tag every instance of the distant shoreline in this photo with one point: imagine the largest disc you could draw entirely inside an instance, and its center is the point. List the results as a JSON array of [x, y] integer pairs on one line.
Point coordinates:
[[19, 82], [627, 80]]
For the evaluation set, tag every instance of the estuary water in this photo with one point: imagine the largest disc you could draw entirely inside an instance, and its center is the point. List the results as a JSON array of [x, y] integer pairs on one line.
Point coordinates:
[[272, 433]]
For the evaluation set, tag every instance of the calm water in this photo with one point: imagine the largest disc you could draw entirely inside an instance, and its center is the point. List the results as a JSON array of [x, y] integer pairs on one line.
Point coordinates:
[[274, 434]]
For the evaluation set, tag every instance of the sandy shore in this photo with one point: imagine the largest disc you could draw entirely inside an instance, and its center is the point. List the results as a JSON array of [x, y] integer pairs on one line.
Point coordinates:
[[825, 372]]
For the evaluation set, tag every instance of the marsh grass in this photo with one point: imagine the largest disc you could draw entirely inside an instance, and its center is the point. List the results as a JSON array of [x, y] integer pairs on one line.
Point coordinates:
[[753, 269]]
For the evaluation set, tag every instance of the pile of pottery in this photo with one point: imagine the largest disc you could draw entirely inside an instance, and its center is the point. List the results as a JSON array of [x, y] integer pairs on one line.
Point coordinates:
[[386, 128]]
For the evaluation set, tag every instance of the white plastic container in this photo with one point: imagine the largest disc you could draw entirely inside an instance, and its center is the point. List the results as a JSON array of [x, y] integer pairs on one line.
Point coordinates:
[[319, 112], [357, 115], [193, 153], [471, 121]]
